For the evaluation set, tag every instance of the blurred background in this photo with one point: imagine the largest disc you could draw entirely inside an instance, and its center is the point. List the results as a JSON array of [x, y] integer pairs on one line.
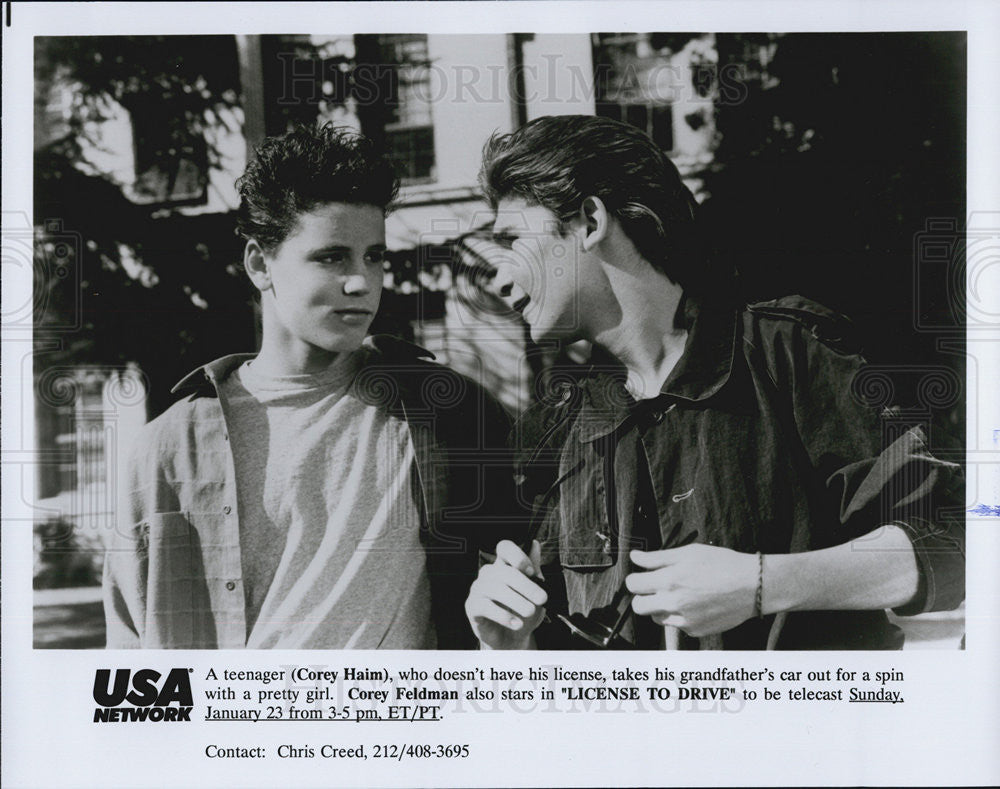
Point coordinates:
[[827, 165]]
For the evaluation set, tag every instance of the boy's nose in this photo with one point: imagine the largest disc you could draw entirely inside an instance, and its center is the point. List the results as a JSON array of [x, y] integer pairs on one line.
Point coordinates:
[[501, 283], [356, 285], [495, 264]]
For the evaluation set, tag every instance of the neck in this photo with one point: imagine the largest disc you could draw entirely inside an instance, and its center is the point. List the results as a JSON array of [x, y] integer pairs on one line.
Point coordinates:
[[645, 339], [283, 356]]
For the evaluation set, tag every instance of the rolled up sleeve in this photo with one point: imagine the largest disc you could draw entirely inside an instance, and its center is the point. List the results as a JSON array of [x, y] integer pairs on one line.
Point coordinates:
[[878, 468]]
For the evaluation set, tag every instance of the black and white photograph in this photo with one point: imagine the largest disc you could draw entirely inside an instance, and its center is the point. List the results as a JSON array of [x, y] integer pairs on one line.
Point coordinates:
[[684, 264], [500, 364]]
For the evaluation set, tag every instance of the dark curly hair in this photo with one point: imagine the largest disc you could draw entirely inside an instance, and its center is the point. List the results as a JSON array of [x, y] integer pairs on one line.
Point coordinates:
[[558, 161], [307, 167]]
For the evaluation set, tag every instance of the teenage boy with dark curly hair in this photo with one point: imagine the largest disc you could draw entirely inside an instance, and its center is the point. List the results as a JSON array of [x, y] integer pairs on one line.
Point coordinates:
[[307, 496], [712, 482]]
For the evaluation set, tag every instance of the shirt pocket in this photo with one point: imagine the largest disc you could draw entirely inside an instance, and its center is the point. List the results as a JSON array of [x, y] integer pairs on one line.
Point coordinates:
[[587, 541]]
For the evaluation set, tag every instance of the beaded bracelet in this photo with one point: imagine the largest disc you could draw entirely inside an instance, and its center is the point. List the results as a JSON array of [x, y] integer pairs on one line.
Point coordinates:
[[758, 603]]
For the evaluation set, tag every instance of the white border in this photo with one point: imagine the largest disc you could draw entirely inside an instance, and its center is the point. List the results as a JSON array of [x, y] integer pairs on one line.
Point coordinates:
[[946, 733]]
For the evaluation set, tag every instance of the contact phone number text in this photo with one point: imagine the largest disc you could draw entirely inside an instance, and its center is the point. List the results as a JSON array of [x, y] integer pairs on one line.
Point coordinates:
[[400, 752]]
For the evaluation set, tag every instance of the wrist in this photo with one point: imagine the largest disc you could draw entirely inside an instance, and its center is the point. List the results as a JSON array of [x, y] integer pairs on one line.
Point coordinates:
[[784, 583]]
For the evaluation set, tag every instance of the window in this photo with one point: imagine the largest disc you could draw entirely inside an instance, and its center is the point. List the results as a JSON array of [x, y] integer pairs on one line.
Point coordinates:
[[70, 413], [398, 112], [635, 82], [656, 120], [379, 84]]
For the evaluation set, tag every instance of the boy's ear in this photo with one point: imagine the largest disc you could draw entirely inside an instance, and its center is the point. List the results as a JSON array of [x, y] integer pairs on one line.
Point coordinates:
[[256, 266], [596, 221]]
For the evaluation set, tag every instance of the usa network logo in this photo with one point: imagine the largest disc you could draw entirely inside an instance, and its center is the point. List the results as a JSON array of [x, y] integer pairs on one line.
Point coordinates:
[[142, 697]]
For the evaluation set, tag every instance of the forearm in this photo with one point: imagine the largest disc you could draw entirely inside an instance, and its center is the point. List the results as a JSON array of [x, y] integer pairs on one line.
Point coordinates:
[[876, 571]]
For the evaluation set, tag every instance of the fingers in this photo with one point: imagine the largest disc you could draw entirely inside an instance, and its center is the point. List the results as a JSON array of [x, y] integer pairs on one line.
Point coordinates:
[[647, 583], [536, 557], [661, 609], [510, 554], [482, 608], [504, 594], [653, 604], [651, 560], [495, 579]]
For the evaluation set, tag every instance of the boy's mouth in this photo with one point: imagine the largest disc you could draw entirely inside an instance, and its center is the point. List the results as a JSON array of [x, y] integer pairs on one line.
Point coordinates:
[[354, 315]]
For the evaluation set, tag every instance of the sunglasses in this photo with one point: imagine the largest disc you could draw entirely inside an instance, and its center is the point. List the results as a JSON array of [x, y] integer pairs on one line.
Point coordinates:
[[602, 627]]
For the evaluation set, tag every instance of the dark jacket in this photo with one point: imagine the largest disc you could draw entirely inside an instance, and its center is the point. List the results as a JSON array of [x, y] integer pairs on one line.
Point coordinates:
[[760, 441]]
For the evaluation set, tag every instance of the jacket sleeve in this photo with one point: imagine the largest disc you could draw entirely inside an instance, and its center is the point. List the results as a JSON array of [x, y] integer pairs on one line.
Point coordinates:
[[874, 464], [476, 506]]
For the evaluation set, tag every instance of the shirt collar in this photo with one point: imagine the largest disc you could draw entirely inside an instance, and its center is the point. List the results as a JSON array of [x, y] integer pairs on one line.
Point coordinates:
[[205, 378], [703, 369]]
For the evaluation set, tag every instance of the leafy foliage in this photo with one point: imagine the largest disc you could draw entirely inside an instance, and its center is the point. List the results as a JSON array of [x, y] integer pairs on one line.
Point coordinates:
[[144, 282]]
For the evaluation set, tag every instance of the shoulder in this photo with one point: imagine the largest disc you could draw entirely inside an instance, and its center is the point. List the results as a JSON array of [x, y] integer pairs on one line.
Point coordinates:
[[800, 345], [198, 395], [796, 320], [386, 348], [412, 367], [175, 428], [201, 379], [545, 425], [398, 369]]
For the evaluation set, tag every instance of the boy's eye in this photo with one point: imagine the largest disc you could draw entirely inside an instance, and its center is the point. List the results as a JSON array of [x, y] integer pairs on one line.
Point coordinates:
[[505, 240], [375, 256], [333, 257]]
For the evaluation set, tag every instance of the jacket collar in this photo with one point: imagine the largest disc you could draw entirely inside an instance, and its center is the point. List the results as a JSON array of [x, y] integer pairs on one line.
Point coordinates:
[[707, 362], [205, 379], [703, 369]]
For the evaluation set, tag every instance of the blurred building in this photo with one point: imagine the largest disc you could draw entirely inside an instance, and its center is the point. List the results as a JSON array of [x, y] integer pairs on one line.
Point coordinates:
[[154, 146], [431, 100]]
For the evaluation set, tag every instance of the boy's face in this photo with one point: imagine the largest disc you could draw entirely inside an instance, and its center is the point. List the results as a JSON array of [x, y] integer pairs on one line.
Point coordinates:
[[544, 273], [326, 279]]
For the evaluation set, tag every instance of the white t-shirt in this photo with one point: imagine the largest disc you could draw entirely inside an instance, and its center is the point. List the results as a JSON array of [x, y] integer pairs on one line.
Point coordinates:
[[329, 509]]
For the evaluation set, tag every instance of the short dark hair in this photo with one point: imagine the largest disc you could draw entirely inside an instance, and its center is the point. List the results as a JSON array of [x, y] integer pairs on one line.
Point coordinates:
[[307, 167], [558, 161]]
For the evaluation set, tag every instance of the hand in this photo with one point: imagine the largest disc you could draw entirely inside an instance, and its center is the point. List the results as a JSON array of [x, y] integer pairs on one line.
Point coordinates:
[[504, 605], [700, 589]]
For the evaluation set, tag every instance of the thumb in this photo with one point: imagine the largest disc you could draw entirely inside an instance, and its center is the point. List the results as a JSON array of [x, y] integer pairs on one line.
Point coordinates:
[[536, 558]]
